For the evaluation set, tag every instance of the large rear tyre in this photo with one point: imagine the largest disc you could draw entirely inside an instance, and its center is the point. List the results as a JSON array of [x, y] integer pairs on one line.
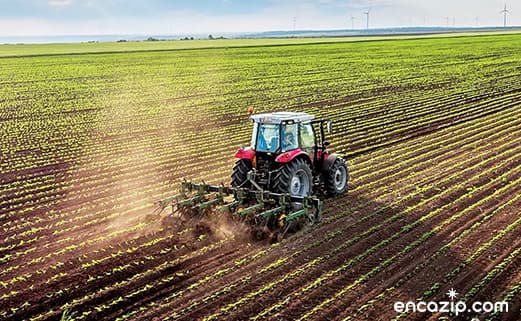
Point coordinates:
[[337, 178], [294, 178], [240, 173]]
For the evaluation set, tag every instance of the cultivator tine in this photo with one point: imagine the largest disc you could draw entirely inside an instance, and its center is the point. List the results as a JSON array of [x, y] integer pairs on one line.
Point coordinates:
[[239, 197], [219, 199], [283, 206], [171, 200], [228, 208], [195, 203], [307, 206], [271, 213], [208, 204], [296, 215], [245, 212], [190, 202], [250, 210]]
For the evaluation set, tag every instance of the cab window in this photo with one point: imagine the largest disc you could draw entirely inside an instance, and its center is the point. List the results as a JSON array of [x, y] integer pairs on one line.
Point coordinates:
[[267, 137], [307, 137], [289, 137]]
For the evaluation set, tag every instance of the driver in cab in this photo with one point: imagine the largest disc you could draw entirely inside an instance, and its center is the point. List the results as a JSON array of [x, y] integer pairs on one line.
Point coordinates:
[[289, 140]]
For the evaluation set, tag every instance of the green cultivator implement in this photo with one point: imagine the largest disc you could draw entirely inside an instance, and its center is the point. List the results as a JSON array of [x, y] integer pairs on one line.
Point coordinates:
[[269, 214], [273, 181]]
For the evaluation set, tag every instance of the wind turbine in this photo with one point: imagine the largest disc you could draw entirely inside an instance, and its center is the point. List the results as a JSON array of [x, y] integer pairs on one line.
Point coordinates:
[[353, 18], [504, 12], [367, 14]]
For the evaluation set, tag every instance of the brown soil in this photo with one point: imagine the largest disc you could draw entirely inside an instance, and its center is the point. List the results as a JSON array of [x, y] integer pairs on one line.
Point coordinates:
[[213, 267]]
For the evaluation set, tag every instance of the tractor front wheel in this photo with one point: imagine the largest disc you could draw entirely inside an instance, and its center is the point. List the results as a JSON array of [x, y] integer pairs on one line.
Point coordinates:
[[336, 178]]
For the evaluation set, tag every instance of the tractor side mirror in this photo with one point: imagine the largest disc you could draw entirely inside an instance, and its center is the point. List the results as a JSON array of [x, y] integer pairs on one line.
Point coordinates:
[[326, 143], [329, 127]]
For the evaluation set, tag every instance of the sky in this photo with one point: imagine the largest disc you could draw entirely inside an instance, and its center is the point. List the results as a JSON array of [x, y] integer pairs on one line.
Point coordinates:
[[162, 17]]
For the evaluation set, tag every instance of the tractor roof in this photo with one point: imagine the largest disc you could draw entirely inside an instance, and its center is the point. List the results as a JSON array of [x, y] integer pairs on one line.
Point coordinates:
[[282, 117]]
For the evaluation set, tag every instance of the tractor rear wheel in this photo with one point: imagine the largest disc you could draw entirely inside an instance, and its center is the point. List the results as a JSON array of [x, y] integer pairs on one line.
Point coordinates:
[[240, 173], [294, 178], [337, 178]]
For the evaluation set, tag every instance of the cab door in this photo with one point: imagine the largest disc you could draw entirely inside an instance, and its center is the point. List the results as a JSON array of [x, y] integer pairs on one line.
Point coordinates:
[[307, 139]]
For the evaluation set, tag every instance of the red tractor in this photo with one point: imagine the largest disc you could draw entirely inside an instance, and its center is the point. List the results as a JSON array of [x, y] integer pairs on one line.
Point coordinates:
[[276, 181], [288, 154]]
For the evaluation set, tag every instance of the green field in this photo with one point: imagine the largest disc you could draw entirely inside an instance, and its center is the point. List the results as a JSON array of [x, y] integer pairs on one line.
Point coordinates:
[[57, 97], [16, 50], [92, 134]]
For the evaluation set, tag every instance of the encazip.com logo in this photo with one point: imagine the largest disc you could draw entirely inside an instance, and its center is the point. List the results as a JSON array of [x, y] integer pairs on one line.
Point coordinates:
[[454, 307]]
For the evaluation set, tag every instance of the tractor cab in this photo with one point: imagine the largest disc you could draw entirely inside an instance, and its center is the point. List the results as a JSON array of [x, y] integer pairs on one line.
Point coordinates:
[[285, 135], [282, 132]]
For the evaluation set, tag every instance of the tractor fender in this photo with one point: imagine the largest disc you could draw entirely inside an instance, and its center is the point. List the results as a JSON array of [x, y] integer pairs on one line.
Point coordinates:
[[328, 162], [287, 157], [245, 153]]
